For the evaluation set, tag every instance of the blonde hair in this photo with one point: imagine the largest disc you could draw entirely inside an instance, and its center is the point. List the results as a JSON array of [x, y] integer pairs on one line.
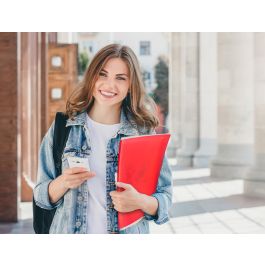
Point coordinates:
[[137, 103]]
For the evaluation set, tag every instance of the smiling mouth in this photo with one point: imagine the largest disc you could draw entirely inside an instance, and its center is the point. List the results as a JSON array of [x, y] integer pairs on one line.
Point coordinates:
[[107, 94]]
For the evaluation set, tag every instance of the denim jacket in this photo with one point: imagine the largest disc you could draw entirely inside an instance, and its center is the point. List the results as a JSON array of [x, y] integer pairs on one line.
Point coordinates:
[[71, 213]]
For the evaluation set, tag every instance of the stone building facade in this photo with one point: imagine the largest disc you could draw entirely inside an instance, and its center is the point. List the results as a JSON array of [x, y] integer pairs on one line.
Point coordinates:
[[217, 105]]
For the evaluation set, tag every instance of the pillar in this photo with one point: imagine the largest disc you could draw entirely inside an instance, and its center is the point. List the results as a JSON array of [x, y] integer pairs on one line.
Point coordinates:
[[174, 92], [207, 100], [189, 99], [255, 182], [235, 105]]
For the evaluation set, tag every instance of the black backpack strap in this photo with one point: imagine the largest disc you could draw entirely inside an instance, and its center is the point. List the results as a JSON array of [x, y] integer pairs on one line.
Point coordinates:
[[61, 133]]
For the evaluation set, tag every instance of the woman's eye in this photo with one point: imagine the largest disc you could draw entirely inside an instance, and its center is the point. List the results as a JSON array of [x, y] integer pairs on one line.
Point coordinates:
[[121, 78], [102, 74]]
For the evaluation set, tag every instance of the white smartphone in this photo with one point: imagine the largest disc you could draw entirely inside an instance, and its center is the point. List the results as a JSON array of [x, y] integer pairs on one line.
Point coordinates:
[[75, 161]]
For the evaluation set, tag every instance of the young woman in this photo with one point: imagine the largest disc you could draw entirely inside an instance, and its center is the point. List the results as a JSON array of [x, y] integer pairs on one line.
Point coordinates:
[[109, 103]]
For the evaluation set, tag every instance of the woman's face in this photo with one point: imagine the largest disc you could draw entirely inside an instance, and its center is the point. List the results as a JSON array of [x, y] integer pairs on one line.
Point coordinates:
[[112, 84]]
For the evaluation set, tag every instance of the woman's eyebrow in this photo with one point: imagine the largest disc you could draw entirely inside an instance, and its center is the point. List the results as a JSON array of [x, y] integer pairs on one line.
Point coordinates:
[[103, 70], [122, 74]]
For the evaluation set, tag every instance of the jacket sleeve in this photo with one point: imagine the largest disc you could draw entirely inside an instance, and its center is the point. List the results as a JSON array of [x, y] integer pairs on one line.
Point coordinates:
[[163, 195], [46, 172]]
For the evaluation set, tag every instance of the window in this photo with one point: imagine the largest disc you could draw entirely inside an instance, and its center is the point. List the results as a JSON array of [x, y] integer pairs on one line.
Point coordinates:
[[88, 46], [147, 75], [145, 48]]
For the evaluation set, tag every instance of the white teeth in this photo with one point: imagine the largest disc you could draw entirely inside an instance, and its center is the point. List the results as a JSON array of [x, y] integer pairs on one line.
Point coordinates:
[[109, 94]]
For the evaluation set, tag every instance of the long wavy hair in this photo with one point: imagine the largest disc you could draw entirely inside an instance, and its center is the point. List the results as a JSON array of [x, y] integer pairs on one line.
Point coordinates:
[[137, 103]]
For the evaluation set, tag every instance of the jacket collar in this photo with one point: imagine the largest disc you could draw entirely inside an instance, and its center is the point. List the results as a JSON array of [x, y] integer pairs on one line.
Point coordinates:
[[128, 125]]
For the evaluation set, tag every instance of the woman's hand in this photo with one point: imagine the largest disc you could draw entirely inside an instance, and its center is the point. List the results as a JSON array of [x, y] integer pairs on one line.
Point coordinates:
[[74, 177], [70, 179], [130, 199], [127, 200]]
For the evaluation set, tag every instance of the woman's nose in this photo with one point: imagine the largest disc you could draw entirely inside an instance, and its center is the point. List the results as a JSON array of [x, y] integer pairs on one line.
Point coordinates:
[[110, 83]]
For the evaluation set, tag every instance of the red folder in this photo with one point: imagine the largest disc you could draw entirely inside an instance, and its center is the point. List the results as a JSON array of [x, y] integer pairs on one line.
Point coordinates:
[[139, 163]]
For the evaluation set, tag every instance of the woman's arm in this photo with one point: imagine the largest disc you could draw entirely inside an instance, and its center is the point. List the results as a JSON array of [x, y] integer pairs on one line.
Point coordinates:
[[148, 204], [163, 195], [46, 172], [50, 189], [56, 189]]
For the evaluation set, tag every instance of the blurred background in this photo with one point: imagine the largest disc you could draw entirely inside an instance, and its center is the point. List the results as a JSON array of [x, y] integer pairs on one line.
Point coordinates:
[[210, 92]]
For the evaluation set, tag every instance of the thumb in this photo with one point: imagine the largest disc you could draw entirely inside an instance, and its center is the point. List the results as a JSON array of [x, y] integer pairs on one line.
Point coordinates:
[[123, 185]]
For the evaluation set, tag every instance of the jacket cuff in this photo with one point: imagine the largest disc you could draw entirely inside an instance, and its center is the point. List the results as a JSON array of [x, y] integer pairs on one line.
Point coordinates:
[[162, 211], [41, 196]]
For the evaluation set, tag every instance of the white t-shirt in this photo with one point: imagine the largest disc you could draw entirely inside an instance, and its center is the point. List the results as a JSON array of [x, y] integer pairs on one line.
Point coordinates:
[[99, 134]]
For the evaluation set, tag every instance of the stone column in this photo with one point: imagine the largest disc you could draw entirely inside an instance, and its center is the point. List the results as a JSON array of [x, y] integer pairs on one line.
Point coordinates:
[[208, 100], [235, 105], [189, 99], [255, 183], [174, 92]]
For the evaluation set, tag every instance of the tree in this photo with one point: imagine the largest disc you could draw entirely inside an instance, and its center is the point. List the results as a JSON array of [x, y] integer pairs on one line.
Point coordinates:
[[83, 61], [160, 93]]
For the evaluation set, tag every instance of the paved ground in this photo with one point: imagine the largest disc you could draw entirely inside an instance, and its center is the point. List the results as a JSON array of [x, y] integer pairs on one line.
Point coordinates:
[[200, 205], [205, 205], [24, 226]]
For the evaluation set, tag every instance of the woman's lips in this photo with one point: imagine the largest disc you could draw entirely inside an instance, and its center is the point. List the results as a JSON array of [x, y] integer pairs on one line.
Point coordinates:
[[107, 94]]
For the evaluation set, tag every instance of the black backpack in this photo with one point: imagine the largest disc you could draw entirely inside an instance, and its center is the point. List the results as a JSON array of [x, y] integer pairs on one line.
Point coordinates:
[[42, 218]]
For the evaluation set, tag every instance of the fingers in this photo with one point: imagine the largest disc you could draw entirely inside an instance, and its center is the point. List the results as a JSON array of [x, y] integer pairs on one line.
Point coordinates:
[[74, 177], [114, 194], [74, 181], [115, 201], [75, 170], [123, 185], [117, 194], [84, 176]]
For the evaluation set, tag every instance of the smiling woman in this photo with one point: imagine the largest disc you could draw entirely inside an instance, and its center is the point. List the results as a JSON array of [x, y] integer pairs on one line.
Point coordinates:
[[109, 103], [115, 65], [109, 91], [113, 82]]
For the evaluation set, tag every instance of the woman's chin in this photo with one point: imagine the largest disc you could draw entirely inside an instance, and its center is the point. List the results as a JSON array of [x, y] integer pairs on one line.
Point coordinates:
[[108, 103]]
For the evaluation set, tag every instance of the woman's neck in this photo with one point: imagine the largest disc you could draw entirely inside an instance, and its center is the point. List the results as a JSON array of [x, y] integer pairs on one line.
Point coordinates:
[[105, 115]]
